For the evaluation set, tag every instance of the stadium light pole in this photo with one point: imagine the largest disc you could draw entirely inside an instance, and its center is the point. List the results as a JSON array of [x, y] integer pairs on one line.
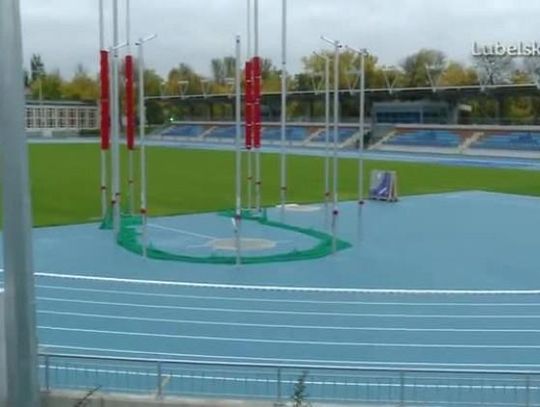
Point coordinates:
[[326, 126], [142, 142], [20, 314], [362, 114], [335, 210]]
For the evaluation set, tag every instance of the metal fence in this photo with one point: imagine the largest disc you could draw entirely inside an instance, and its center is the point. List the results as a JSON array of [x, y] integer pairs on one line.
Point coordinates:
[[334, 384]]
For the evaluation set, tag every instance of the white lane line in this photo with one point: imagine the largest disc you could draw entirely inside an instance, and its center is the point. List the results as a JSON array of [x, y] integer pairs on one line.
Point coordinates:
[[294, 289], [288, 301], [190, 357], [274, 312], [282, 326], [181, 231], [316, 290], [289, 341]]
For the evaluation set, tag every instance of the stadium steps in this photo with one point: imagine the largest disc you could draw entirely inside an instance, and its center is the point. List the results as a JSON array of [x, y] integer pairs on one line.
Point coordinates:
[[312, 137], [350, 141], [383, 140], [470, 140], [206, 133]]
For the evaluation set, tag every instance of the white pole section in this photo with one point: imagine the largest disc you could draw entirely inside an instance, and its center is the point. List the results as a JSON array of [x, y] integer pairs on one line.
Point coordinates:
[[335, 211], [258, 180], [249, 151], [115, 126], [103, 153], [20, 317], [327, 129], [362, 129], [238, 181], [142, 142], [131, 169], [283, 188]]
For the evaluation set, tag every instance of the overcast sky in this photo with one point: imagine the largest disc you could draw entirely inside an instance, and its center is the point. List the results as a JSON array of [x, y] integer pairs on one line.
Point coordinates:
[[65, 32]]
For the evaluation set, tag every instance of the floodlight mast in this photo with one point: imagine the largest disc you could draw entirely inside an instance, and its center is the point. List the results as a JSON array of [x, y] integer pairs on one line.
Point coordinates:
[[335, 210], [362, 113], [20, 321], [142, 142]]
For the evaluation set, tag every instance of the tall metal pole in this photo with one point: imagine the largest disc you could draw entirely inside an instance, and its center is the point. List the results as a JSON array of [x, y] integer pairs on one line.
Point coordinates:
[[131, 169], [20, 318], [335, 199], [238, 181], [249, 151], [327, 129], [115, 126], [283, 189], [258, 181], [142, 143], [362, 128], [103, 153]]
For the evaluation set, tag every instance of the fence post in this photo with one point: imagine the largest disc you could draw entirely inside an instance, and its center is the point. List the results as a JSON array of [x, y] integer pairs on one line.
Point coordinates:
[[47, 376], [159, 393], [402, 389], [528, 391], [278, 399]]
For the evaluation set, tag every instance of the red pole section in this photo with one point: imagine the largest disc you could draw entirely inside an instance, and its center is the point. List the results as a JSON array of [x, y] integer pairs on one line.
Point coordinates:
[[248, 106], [130, 104], [257, 126], [105, 122]]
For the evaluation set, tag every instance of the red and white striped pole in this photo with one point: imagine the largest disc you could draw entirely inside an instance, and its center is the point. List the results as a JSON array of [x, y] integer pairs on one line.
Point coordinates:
[[105, 119]]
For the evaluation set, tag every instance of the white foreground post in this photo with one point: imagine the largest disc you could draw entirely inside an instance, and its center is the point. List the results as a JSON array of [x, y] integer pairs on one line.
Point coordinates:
[[238, 181], [142, 142], [103, 153], [115, 127], [335, 198], [283, 189], [3, 365], [20, 316]]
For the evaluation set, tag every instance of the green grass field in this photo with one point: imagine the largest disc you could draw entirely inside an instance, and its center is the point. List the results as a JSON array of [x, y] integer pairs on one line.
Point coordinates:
[[65, 181]]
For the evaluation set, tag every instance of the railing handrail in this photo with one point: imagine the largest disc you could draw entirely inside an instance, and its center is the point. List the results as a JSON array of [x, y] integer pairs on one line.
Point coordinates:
[[345, 368]]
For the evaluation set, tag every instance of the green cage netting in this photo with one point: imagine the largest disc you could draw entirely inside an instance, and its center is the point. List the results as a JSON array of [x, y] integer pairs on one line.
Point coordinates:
[[130, 239]]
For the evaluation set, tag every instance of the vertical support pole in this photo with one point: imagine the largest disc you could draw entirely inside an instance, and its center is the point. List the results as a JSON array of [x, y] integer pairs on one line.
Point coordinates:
[[115, 127], [142, 142], [362, 128], [104, 110], [159, 375], [278, 384], [248, 115], [326, 130], [130, 114], [47, 373], [402, 389], [335, 199], [20, 317], [283, 189], [238, 181], [257, 110]]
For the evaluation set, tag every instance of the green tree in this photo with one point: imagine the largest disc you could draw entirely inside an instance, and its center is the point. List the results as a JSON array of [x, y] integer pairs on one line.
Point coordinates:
[[37, 67], [415, 66], [82, 87]]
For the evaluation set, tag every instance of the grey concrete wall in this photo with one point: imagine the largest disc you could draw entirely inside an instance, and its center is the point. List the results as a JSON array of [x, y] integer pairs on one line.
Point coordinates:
[[69, 399]]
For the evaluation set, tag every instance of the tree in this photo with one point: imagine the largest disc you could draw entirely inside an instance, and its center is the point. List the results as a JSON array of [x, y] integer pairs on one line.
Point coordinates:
[[494, 70], [37, 67], [51, 85], [82, 87], [415, 67], [222, 69], [457, 74]]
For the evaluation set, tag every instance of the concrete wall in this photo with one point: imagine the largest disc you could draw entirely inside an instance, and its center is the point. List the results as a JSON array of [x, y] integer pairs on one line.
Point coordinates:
[[3, 375], [69, 399]]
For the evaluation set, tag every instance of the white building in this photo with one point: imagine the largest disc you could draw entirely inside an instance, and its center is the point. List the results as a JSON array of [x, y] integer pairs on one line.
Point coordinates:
[[61, 115]]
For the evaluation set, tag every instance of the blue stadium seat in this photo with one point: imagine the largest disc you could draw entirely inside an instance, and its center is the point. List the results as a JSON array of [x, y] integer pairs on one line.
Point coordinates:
[[181, 130], [519, 141], [426, 138]]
